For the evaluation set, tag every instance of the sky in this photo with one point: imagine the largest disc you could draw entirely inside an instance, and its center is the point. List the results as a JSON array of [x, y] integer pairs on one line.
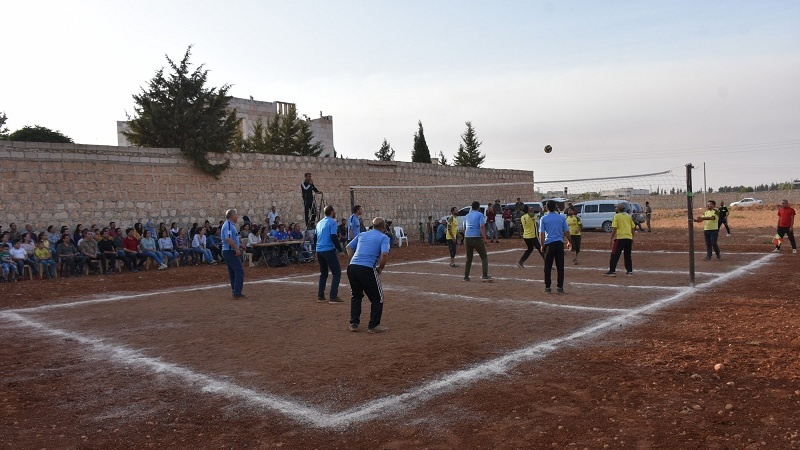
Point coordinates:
[[616, 87]]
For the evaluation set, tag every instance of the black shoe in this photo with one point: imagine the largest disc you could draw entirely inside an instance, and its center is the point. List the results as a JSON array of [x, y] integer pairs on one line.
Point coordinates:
[[335, 300], [466, 278], [239, 296], [353, 327], [486, 279], [321, 299], [547, 290], [610, 274], [560, 290]]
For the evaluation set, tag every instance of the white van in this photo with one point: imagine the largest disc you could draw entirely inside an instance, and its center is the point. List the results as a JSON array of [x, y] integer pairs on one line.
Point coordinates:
[[599, 213], [461, 213]]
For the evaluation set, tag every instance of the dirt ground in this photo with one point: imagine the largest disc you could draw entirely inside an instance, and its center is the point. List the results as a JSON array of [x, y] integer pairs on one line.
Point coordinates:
[[648, 384]]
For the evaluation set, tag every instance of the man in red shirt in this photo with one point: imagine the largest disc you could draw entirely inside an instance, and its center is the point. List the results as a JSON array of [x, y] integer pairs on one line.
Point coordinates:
[[786, 225], [507, 218]]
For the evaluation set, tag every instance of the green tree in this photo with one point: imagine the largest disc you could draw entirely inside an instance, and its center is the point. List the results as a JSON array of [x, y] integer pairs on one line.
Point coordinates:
[[38, 133], [3, 129], [286, 134], [302, 144], [178, 110], [469, 154], [386, 152], [420, 153], [443, 159]]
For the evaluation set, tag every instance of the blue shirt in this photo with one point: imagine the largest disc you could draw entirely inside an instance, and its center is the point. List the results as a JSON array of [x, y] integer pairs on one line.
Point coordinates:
[[553, 225], [325, 228], [473, 223], [353, 226], [229, 231], [281, 235], [368, 248]]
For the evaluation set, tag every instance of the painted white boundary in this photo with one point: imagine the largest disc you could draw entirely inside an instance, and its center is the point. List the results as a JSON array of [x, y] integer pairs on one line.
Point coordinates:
[[582, 267], [382, 406]]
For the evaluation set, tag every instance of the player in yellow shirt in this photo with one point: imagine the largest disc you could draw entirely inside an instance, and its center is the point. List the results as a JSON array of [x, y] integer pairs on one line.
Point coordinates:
[[710, 219], [530, 233], [621, 241], [451, 234], [575, 226]]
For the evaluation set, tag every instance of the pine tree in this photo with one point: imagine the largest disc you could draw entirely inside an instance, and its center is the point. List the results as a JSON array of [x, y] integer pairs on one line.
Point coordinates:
[[286, 134], [442, 159], [3, 129], [178, 110], [469, 154], [420, 153], [386, 152]]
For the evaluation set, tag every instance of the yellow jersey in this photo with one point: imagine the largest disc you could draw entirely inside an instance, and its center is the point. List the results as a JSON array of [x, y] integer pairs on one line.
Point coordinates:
[[624, 225], [452, 227], [712, 224], [529, 226], [574, 224]]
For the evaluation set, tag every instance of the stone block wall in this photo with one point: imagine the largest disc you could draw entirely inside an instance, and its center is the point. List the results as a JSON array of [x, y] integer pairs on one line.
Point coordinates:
[[65, 184]]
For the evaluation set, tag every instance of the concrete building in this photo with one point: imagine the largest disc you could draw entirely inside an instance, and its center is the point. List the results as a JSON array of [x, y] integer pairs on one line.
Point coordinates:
[[248, 112]]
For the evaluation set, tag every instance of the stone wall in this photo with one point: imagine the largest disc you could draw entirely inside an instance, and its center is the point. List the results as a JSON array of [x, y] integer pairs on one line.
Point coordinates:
[[65, 184]]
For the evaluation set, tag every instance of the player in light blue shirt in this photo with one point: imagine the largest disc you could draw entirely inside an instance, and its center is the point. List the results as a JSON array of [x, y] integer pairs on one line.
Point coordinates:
[[327, 246], [369, 252], [475, 240], [354, 223], [553, 231], [230, 252]]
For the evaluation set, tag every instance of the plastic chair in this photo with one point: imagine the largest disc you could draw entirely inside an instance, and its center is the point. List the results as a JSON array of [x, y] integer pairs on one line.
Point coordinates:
[[398, 231], [247, 257]]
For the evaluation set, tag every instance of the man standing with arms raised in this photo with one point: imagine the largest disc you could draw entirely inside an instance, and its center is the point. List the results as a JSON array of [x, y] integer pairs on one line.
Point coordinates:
[[369, 252], [307, 190], [327, 255], [475, 240], [553, 231], [231, 251]]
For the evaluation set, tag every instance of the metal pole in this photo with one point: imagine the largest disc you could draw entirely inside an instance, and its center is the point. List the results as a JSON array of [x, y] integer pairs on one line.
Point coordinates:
[[352, 198], [705, 189], [689, 196]]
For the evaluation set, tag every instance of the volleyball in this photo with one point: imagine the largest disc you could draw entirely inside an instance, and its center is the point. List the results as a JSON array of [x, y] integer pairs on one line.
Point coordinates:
[[548, 149]]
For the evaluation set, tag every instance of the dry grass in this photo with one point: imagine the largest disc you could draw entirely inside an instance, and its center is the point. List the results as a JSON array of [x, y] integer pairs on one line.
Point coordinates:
[[752, 217]]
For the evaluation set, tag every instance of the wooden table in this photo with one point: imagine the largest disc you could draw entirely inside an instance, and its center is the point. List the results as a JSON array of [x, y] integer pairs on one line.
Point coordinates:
[[277, 250]]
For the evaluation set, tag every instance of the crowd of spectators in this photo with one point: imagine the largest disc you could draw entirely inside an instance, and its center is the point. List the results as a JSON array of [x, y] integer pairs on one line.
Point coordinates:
[[107, 249]]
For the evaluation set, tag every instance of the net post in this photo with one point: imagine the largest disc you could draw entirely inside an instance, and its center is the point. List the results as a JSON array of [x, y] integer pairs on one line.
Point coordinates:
[[352, 198], [689, 198]]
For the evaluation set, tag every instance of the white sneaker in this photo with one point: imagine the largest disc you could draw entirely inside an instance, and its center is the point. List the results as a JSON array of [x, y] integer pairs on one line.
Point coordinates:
[[777, 250], [794, 250], [162, 267], [729, 235]]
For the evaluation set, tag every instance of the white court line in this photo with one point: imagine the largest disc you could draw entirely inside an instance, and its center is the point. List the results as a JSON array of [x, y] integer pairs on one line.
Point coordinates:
[[671, 288], [392, 403], [502, 301], [671, 252], [117, 298], [577, 267], [527, 280]]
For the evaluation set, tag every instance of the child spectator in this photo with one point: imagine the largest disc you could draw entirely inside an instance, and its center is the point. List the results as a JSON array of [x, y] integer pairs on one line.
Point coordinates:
[[45, 258], [9, 266], [21, 259]]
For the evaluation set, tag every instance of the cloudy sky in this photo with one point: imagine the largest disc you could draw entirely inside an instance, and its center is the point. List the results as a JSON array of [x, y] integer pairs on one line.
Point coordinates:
[[616, 87]]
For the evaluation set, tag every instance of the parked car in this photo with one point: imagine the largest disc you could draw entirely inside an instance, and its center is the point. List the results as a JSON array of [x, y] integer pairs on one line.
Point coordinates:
[[598, 214], [748, 201]]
